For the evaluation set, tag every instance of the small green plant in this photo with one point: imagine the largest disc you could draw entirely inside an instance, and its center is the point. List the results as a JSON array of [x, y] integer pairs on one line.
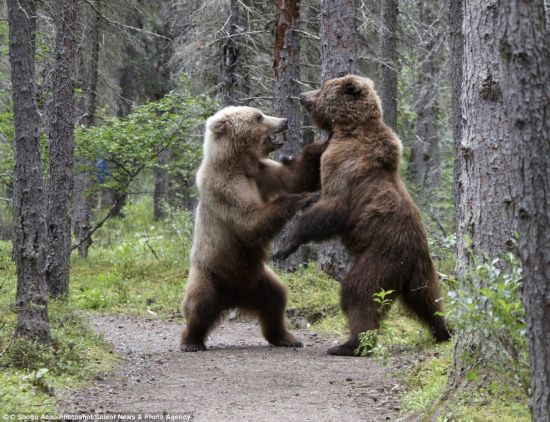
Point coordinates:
[[39, 380], [367, 343], [369, 338], [383, 300]]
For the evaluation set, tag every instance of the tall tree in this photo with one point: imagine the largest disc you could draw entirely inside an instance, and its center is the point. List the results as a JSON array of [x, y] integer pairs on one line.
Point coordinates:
[[525, 51], [61, 151], [455, 61], [287, 72], [84, 197], [28, 187], [425, 159], [486, 222], [233, 82], [338, 57], [387, 39]]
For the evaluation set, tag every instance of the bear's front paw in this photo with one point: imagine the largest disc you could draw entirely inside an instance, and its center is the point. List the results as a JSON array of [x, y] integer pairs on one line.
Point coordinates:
[[283, 254], [310, 199], [287, 160], [193, 347]]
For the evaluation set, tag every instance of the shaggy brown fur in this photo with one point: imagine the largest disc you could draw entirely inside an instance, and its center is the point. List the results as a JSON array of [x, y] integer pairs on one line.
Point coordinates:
[[244, 200], [365, 202]]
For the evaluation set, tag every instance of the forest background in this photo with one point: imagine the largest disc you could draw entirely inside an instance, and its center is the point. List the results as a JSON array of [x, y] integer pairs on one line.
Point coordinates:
[[112, 174]]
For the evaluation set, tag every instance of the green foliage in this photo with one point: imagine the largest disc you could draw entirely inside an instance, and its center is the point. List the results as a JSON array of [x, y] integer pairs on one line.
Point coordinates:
[[367, 343], [383, 300], [426, 382], [134, 143], [495, 314]]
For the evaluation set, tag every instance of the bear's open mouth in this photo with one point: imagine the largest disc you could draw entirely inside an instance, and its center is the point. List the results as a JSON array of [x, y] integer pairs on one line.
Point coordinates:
[[277, 141]]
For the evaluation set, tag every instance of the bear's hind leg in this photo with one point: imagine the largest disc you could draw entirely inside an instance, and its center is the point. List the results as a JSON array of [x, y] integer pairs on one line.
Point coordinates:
[[423, 301], [202, 308], [361, 317], [271, 306], [362, 313]]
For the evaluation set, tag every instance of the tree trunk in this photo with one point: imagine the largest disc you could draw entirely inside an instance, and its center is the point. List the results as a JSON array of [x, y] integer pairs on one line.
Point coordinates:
[[525, 54], [160, 195], [455, 60], [29, 220], [61, 152], [388, 57], [486, 222], [338, 57], [233, 82], [84, 197], [425, 159], [287, 72]]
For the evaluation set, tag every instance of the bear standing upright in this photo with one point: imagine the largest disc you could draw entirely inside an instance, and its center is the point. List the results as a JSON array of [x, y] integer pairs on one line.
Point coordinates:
[[244, 200], [364, 201]]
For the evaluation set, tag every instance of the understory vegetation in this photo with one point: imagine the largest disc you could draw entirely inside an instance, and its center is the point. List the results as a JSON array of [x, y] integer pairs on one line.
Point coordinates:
[[139, 267]]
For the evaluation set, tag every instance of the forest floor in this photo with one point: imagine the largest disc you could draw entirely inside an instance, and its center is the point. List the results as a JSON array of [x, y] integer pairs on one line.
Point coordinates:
[[240, 377]]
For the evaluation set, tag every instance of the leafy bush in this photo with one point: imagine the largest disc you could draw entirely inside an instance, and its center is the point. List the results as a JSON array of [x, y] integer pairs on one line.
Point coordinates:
[[494, 314]]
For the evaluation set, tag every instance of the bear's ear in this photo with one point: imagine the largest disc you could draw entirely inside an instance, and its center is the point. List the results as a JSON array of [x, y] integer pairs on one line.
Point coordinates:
[[220, 126], [352, 89]]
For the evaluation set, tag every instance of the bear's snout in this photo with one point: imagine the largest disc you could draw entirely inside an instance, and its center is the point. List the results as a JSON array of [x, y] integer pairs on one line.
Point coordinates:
[[306, 98]]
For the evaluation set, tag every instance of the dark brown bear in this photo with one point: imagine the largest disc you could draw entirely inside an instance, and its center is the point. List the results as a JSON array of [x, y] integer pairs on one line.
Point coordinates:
[[244, 200], [365, 202]]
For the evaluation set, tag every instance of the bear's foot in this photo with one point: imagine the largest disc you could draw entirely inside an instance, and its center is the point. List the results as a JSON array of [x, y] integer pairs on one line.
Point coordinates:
[[289, 341], [193, 347], [342, 350]]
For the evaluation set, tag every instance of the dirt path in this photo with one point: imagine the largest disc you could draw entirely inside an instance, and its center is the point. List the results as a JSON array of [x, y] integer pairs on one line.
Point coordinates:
[[240, 378]]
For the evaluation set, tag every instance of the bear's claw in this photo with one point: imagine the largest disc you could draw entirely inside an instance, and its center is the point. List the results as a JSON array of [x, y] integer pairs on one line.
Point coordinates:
[[193, 347]]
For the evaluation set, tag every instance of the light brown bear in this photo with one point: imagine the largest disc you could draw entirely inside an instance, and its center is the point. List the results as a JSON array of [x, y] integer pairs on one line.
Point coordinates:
[[364, 201], [244, 201]]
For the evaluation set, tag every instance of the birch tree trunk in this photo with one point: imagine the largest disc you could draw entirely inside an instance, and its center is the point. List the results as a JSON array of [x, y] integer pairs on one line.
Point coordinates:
[[287, 71], [388, 57], [338, 57], [525, 53], [61, 152], [486, 224], [29, 220]]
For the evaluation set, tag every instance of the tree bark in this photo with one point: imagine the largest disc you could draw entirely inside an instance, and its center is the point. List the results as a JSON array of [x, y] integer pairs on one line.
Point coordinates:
[[455, 60], [287, 71], [425, 159], [61, 152], [84, 197], [486, 222], [29, 197], [388, 57], [525, 54], [233, 82], [338, 57]]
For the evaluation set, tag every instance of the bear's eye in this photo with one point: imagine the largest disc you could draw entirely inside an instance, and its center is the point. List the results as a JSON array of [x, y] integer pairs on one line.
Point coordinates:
[[259, 117]]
